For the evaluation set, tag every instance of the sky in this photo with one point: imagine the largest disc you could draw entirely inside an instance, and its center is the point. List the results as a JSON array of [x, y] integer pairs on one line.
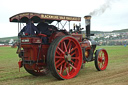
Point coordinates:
[[107, 15]]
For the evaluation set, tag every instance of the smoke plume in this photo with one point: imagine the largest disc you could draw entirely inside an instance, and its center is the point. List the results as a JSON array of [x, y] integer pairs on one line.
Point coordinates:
[[102, 8]]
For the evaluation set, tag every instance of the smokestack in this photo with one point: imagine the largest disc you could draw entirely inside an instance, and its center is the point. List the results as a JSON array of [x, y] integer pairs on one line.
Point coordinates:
[[88, 24]]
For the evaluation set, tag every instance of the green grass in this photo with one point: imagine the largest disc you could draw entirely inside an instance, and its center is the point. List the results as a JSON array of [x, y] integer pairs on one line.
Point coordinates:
[[8, 63], [10, 75]]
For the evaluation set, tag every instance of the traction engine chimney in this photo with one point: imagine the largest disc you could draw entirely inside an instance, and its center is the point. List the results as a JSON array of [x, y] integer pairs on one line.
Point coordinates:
[[88, 24]]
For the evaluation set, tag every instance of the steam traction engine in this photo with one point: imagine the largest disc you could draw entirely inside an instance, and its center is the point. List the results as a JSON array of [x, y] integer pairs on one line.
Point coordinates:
[[64, 54]]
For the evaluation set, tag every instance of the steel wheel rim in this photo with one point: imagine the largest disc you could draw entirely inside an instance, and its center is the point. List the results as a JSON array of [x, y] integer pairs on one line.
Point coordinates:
[[102, 60], [68, 58]]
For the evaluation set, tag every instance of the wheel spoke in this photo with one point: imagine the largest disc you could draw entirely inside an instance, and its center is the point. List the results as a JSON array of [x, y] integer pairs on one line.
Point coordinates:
[[59, 57], [76, 58], [73, 53], [68, 45], [61, 69], [65, 47], [60, 63], [100, 59], [99, 64], [68, 68], [64, 68], [58, 52], [69, 49], [99, 55], [102, 53], [102, 64], [67, 71], [72, 66], [72, 61], [57, 61], [73, 49], [61, 50]]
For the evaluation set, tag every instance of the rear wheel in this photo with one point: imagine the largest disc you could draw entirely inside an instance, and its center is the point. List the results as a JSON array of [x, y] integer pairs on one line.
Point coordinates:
[[65, 57], [101, 59]]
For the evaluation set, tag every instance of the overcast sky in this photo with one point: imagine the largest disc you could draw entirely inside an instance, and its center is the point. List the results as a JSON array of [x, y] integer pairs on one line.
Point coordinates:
[[107, 15]]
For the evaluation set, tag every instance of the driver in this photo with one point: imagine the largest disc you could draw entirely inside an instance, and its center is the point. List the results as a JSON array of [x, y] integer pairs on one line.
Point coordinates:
[[43, 28], [29, 29], [46, 29]]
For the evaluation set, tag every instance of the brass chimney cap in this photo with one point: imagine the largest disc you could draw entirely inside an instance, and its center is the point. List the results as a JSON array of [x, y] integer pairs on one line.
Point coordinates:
[[87, 17]]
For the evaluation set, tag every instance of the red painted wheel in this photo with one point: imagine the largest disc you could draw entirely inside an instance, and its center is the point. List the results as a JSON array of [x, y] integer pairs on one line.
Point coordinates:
[[101, 59], [64, 57], [37, 72]]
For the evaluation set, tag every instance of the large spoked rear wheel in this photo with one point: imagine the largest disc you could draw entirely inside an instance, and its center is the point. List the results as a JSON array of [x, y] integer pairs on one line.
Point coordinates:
[[64, 57], [40, 72], [101, 59]]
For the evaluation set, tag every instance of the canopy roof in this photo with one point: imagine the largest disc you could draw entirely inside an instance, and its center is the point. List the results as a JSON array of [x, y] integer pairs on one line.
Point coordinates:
[[36, 17]]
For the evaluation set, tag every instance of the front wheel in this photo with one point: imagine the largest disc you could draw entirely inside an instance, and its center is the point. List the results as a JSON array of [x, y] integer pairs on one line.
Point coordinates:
[[65, 57], [101, 59]]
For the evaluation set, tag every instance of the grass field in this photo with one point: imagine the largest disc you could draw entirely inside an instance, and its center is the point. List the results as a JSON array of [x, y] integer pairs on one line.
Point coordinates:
[[115, 74]]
